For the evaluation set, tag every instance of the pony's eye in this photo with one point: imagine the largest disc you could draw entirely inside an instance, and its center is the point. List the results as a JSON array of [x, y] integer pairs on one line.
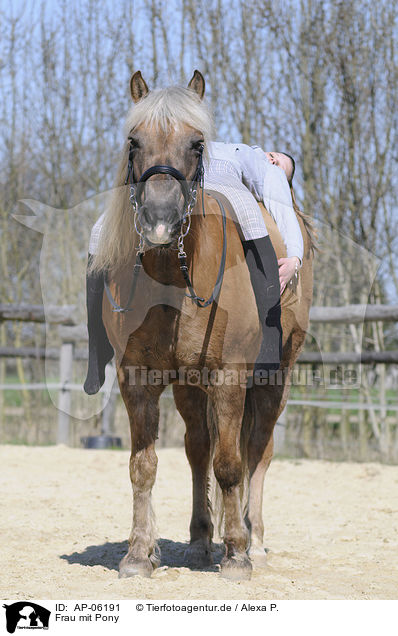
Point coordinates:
[[134, 143], [198, 145]]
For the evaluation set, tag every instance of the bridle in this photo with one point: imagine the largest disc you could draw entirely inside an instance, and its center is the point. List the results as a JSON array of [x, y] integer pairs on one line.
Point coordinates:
[[189, 192], [190, 198]]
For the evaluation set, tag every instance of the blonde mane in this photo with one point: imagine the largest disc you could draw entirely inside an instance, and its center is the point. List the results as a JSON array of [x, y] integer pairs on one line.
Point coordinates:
[[164, 110]]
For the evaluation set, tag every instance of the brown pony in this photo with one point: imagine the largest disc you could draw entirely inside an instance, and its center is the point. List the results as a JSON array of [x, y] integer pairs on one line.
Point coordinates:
[[206, 353]]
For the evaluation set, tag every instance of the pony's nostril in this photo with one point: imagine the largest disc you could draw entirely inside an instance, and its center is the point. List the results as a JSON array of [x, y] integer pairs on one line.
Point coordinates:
[[151, 216], [174, 216], [144, 215]]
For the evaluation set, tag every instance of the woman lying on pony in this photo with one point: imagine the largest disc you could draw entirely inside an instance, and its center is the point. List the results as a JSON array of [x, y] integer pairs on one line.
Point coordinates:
[[244, 175]]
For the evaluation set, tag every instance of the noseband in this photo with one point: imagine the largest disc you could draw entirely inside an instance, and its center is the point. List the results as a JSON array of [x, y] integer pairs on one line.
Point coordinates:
[[190, 196], [173, 172], [189, 193]]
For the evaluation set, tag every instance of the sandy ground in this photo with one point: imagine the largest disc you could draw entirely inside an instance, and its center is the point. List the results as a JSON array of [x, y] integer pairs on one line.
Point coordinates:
[[331, 529]]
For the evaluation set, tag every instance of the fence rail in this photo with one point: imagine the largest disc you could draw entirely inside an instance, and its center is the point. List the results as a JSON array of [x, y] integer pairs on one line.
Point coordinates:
[[349, 357], [37, 313], [307, 357], [64, 315], [39, 353], [354, 314], [323, 404], [71, 333]]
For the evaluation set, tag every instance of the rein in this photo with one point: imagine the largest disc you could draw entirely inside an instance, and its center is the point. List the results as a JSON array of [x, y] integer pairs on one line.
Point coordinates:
[[190, 197]]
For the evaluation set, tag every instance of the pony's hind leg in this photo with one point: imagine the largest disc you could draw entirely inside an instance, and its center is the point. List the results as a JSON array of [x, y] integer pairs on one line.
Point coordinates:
[[258, 470], [191, 402], [228, 405], [260, 451], [142, 406]]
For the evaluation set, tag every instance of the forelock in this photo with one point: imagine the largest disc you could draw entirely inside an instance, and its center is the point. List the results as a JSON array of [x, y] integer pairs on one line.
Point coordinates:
[[167, 108]]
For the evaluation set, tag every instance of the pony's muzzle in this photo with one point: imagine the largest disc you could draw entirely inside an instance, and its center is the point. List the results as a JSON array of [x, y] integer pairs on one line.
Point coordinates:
[[159, 226], [162, 201]]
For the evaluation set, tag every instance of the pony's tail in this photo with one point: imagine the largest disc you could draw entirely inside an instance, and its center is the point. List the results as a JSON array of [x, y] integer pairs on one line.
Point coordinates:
[[215, 493]]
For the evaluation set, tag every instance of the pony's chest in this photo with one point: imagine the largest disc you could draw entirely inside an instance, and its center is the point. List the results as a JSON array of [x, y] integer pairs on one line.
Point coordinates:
[[165, 337]]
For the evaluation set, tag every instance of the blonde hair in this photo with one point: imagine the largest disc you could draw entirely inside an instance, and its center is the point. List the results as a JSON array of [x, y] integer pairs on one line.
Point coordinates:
[[307, 221], [163, 110], [166, 108]]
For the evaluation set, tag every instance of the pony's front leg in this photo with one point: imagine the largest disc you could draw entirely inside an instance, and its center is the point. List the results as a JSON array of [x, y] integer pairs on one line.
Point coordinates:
[[142, 405], [228, 404], [191, 402]]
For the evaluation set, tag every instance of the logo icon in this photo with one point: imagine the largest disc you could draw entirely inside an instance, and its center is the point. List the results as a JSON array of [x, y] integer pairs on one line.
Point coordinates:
[[26, 615]]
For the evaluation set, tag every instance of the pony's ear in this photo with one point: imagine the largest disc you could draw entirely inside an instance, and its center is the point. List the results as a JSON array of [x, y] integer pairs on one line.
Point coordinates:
[[138, 87], [197, 84]]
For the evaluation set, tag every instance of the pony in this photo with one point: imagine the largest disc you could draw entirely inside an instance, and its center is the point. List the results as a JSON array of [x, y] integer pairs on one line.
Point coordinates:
[[166, 246]]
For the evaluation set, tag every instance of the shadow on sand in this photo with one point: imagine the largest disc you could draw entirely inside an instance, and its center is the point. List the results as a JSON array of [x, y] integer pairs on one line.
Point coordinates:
[[108, 555]]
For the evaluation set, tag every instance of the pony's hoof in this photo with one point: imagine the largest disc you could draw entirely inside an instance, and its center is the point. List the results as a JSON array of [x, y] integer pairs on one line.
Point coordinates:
[[236, 568], [198, 555], [135, 567], [258, 557]]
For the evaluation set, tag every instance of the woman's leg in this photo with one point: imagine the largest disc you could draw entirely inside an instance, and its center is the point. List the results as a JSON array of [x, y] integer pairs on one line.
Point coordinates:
[[261, 262], [100, 351], [264, 275]]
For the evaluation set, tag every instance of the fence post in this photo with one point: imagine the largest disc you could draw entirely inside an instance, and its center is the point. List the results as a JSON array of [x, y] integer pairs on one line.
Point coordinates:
[[108, 413], [64, 396], [280, 433]]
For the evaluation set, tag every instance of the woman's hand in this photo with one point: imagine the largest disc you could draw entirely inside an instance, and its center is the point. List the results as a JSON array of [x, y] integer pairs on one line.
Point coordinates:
[[287, 269]]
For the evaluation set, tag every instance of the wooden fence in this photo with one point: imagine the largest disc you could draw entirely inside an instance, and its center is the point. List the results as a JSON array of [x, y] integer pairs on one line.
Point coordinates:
[[70, 334]]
